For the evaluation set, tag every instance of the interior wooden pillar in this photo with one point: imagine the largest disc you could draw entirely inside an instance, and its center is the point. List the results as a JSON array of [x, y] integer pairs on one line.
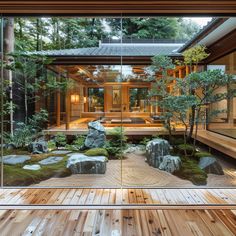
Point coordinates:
[[68, 109], [180, 73], [187, 70], [58, 108]]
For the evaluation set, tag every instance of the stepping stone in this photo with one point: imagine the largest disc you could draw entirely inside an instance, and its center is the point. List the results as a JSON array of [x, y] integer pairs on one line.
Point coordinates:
[[15, 159], [50, 160], [61, 152], [73, 153], [32, 167]]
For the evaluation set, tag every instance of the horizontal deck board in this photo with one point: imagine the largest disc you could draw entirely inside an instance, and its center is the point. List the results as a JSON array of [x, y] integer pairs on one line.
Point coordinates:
[[73, 198], [118, 222]]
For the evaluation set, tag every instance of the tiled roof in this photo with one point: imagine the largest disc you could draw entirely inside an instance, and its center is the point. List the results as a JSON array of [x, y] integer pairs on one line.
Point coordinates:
[[151, 49]]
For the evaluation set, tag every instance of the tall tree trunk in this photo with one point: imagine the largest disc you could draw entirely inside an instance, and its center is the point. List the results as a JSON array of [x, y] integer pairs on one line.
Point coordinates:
[[8, 47]]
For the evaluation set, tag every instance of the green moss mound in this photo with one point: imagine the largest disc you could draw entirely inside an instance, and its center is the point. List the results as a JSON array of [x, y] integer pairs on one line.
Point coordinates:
[[188, 147], [192, 172], [97, 152], [199, 155], [15, 175]]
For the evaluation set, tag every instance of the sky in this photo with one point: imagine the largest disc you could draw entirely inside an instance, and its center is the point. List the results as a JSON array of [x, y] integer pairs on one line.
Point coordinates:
[[202, 21]]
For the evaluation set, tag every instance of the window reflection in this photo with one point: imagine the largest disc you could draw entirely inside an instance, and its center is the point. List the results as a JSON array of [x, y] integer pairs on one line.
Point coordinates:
[[96, 99], [138, 100]]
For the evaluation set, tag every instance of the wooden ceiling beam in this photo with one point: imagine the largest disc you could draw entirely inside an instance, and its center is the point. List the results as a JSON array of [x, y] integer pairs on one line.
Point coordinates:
[[116, 7]]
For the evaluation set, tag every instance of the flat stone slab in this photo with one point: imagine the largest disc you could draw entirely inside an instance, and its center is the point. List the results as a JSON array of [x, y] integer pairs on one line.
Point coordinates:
[[82, 164], [15, 159], [51, 160], [32, 167], [61, 152], [73, 153]]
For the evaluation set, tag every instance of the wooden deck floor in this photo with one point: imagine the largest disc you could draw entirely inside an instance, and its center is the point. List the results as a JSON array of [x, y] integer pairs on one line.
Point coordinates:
[[82, 129], [118, 222], [65, 198], [219, 142]]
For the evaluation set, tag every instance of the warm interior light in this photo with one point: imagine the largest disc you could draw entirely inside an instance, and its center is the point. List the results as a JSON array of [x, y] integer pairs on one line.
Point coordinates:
[[74, 98], [85, 99]]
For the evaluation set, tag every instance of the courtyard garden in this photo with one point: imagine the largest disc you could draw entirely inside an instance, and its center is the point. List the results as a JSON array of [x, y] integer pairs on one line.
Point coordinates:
[[101, 154]]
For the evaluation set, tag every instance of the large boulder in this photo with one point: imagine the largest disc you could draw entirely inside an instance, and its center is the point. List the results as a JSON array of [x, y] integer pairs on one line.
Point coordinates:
[[96, 135], [156, 149], [38, 147], [82, 164], [15, 159], [210, 165], [170, 163]]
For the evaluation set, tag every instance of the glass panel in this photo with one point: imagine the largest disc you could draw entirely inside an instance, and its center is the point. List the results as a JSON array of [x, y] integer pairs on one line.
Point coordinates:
[[156, 122], [225, 122], [1, 103], [96, 99], [138, 99], [67, 97]]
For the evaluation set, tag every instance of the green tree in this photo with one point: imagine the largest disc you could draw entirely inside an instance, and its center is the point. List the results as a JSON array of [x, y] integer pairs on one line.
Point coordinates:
[[158, 28], [206, 86], [192, 57], [159, 76]]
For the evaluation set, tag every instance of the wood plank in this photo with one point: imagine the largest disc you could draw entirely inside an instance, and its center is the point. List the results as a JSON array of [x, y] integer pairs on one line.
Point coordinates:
[[127, 198], [117, 7]]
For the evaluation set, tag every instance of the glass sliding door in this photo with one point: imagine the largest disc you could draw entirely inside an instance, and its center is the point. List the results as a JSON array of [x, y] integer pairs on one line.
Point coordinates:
[[158, 117], [64, 96], [102, 102]]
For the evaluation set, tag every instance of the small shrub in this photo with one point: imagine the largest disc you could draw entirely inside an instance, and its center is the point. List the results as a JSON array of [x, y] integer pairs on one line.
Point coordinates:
[[79, 141], [117, 142], [118, 135], [189, 149], [52, 145], [60, 140], [97, 152], [23, 135], [144, 141], [113, 150]]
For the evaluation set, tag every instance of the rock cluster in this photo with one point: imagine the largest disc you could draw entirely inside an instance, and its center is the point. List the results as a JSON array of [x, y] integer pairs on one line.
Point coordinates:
[[158, 156]]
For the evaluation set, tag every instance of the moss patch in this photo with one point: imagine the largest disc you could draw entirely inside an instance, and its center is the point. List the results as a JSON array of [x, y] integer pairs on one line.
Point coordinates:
[[14, 175], [199, 155], [192, 172], [97, 152], [20, 151]]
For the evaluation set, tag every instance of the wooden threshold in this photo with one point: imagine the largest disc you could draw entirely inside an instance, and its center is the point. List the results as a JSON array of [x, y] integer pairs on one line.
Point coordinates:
[[85, 198]]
